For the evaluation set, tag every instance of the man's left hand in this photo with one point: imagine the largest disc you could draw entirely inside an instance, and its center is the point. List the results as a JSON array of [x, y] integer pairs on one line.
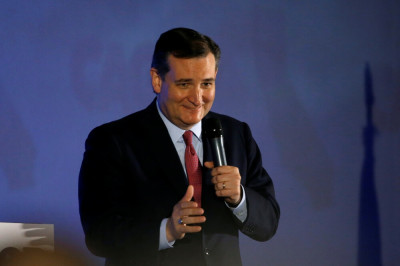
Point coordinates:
[[226, 180]]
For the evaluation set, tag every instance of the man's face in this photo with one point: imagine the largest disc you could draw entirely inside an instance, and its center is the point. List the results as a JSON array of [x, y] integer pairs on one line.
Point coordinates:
[[187, 92]]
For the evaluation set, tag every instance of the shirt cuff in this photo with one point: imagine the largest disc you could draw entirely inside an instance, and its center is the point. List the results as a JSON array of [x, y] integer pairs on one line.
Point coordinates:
[[240, 211], [164, 244]]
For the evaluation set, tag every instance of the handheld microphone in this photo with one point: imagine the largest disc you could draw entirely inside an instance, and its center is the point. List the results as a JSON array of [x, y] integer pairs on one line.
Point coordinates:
[[213, 132]]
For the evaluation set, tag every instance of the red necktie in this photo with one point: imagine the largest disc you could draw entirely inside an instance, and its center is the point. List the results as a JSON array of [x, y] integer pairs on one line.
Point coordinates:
[[193, 166]]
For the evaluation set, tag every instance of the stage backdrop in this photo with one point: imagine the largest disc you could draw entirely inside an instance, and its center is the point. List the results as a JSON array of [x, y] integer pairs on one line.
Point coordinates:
[[317, 81]]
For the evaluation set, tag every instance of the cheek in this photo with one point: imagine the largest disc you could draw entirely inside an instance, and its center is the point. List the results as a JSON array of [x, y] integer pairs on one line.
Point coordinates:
[[208, 95], [176, 95]]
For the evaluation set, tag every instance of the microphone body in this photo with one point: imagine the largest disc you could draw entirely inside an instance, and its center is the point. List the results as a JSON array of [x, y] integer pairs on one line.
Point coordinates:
[[213, 132], [218, 151]]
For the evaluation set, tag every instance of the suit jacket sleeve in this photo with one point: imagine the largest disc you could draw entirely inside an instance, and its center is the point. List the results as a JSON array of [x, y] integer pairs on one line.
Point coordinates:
[[106, 195], [263, 211]]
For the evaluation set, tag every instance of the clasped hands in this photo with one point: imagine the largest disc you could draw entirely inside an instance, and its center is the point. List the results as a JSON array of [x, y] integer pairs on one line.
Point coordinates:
[[186, 215]]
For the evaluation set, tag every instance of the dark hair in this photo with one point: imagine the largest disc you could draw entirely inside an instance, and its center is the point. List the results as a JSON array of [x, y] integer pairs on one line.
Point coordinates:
[[182, 43]]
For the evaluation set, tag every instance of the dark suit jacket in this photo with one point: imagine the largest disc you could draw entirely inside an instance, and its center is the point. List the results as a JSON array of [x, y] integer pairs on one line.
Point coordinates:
[[131, 177]]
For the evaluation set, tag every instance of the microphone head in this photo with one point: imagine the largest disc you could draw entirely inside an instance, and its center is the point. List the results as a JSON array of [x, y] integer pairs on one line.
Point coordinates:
[[212, 128]]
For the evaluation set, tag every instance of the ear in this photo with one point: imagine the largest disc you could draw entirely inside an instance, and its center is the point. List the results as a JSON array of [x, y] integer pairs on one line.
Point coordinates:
[[156, 80]]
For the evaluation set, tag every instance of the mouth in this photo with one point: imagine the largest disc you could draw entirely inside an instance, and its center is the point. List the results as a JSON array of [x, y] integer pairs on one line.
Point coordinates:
[[193, 108]]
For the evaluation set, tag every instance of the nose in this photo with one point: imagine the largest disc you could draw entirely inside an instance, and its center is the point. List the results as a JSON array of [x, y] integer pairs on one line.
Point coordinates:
[[195, 96]]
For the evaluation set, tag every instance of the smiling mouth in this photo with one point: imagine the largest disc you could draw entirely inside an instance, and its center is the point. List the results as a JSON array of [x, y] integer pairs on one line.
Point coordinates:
[[193, 109]]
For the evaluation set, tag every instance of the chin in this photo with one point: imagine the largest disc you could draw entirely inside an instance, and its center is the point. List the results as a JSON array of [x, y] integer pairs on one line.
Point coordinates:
[[191, 122]]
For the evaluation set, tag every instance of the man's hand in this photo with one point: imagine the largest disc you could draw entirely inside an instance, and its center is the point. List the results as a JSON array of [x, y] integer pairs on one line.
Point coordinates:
[[226, 180], [185, 213]]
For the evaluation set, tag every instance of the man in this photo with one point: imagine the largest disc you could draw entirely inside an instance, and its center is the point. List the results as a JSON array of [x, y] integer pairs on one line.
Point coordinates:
[[148, 190]]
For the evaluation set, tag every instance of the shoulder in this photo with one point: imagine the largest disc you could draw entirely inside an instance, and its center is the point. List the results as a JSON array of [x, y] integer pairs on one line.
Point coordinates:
[[228, 122], [131, 124], [235, 132]]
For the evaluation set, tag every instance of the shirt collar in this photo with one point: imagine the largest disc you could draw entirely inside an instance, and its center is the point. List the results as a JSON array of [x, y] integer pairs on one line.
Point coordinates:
[[176, 132]]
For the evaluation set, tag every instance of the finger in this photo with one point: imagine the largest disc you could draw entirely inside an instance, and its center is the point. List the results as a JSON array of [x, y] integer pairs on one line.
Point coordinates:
[[224, 193], [227, 193], [220, 178], [187, 204], [225, 169], [188, 195], [190, 229], [209, 165], [193, 220], [225, 178], [190, 212], [220, 186]]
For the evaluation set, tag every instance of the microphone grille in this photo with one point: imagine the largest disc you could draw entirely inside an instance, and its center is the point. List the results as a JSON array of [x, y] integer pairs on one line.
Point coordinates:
[[212, 128]]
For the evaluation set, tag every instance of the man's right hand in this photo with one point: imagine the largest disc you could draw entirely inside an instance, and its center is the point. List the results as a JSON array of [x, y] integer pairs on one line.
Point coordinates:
[[188, 213]]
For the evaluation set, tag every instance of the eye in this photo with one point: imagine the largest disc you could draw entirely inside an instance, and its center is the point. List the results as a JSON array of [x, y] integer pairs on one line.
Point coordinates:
[[183, 85], [207, 84]]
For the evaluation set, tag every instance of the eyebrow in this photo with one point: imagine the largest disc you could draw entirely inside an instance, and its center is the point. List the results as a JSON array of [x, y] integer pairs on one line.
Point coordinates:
[[183, 80], [189, 80]]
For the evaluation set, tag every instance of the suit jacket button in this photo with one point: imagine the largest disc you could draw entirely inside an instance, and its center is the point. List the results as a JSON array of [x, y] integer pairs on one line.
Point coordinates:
[[206, 251]]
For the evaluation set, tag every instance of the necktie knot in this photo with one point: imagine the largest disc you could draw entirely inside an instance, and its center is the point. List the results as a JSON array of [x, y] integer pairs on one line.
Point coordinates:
[[187, 137]]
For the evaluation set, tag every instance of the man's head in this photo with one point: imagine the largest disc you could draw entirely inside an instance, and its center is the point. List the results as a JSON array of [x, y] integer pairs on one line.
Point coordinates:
[[183, 73], [182, 43]]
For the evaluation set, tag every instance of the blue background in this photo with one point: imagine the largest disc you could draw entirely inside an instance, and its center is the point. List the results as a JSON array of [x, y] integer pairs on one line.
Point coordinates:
[[295, 71]]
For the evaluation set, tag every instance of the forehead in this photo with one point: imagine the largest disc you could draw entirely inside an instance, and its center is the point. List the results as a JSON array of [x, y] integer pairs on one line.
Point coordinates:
[[196, 66]]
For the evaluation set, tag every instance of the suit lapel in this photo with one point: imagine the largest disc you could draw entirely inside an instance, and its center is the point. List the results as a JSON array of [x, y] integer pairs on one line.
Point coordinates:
[[163, 150], [207, 157], [164, 153]]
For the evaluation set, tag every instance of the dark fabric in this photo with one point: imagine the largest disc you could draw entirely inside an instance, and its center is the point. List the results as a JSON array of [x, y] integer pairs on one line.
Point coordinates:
[[131, 177]]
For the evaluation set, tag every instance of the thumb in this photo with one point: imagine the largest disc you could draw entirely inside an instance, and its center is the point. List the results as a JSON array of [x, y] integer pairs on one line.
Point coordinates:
[[189, 194], [209, 165]]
